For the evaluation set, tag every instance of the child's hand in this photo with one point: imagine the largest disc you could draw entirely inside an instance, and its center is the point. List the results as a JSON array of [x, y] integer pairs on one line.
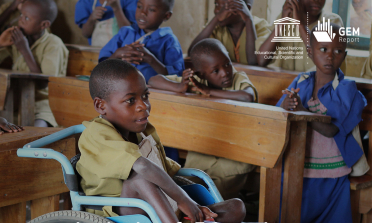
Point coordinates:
[[287, 10], [192, 210], [198, 87], [147, 56], [9, 127], [186, 75], [295, 5], [240, 7], [130, 53], [223, 13], [293, 101], [6, 37], [97, 13], [115, 4], [19, 40], [207, 213]]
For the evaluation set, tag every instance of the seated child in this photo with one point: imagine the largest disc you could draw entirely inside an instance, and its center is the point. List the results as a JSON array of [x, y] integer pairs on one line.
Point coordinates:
[[35, 50], [238, 30], [214, 75], [151, 49], [332, 148], [115, 151], [298, 10], [6, 126], [100, 20], [9, 14]]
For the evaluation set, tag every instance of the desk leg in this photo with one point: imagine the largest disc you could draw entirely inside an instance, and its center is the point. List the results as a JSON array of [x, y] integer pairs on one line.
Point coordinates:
[[13, 213], [270, 193], [8, 112], [294, 158], [27, 103]]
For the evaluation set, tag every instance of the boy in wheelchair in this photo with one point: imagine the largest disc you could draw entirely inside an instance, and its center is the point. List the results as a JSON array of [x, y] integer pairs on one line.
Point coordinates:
[[122, 156]]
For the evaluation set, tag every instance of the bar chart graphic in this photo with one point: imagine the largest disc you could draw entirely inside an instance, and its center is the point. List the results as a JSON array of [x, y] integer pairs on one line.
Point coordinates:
[[324, 32]]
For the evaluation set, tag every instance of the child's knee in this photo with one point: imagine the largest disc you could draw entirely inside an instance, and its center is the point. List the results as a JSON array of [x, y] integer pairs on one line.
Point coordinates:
[[237, 207]]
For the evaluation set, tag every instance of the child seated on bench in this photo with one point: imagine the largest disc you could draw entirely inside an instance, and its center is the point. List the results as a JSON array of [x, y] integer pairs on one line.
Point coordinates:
[[332, 149], [33, 49], [122, 156], [100, 21], [150, 48], [238, 30], [6, 126], [214, 75]]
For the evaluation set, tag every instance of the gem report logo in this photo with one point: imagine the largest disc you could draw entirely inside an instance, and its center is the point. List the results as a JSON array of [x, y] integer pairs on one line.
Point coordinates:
[[287, 30], [324, 33]]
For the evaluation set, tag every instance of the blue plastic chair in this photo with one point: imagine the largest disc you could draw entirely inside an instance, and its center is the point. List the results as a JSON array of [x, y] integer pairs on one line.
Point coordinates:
[[34, 150]]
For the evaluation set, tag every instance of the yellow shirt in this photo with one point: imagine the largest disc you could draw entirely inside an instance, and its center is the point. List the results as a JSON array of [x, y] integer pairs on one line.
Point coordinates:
[[12, 20], [305, 64], [107, 159], [51, 55], [240, 82], [223, 34]]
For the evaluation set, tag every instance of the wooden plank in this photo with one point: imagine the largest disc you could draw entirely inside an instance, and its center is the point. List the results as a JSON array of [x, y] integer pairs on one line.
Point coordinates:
[[14, 213], [354, 197], [365, 202], [369, 155], [44, 205], [81, 59], [269, 203], [24, 179], [294, 172], [4, 88], [358, 183], [8, 111], [27, 103]]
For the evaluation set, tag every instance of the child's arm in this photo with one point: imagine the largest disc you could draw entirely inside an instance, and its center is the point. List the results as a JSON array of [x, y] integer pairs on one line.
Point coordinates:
[[208, 30], [162, 82], [118, 12], [6, 37], [151, 172], [148, 57], [88, 27], [293, 102], [21, 42], [12, 8], [9, 127], [246, 95], [240, 7]]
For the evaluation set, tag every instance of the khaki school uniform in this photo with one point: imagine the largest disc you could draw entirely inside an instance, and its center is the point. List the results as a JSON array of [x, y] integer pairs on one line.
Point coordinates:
[[367, 67], [107, 160], [238, 53], [305, 64], [51, 55], [12, 20], [228, 175]]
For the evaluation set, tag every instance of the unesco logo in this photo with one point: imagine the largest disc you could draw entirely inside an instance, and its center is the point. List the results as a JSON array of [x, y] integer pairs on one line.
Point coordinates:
[[287, 30]]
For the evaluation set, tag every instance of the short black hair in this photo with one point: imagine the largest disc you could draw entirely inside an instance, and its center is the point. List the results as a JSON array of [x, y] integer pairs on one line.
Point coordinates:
[[169, 4], [335, 29], [206, 47], [105, 74], [48, 9]]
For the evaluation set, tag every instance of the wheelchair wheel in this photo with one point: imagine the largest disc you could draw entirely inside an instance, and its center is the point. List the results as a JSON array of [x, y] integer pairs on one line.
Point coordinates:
[[70, 217]]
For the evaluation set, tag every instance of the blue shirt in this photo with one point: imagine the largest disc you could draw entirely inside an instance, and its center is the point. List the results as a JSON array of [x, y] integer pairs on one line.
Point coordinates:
[[344, 104], [84, 8], [162, 43]]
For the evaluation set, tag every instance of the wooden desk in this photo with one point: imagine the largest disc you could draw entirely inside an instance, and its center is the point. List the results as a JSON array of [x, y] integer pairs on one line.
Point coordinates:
[[81, 59], [26, 179], [246, 132], [15, 84]]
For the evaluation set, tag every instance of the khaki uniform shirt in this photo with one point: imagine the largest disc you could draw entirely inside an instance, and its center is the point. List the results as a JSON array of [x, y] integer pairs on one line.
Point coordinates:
[[107, 159], [305, 64], [240, 82], [51, 55], [223, 34], [367, 67]]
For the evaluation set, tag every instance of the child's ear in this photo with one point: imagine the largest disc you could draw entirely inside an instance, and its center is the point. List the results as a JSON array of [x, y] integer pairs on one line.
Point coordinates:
[[309, 51], [45, 24], [100, 105], [167, 16]]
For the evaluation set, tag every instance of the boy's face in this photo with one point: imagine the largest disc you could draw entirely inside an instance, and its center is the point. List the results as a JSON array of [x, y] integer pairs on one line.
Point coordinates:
[[216, 69], [328, 56], [313, 7], [128, 106], [30, 21], [150, 14]]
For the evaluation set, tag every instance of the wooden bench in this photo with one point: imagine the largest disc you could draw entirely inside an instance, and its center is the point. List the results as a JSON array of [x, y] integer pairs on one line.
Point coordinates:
[[246, 132], [269, 84], [81, 59], [24, 179]]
